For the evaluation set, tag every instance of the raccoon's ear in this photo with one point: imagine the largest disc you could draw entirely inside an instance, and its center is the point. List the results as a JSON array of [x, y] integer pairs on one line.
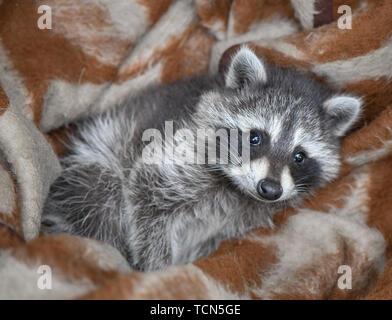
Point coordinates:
[[342, 112], [245, 68]]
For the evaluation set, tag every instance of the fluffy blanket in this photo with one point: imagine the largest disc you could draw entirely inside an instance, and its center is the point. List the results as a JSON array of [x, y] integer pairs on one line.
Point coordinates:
[[75, 58]]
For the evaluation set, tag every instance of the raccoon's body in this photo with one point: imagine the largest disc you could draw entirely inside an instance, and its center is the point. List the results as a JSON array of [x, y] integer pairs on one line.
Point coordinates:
[[172, 212]]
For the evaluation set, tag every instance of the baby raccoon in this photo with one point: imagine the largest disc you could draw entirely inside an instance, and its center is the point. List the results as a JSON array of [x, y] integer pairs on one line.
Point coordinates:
[[159, 213]]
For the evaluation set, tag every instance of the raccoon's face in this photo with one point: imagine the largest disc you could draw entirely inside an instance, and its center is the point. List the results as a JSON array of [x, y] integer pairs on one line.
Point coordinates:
[[289, 128]]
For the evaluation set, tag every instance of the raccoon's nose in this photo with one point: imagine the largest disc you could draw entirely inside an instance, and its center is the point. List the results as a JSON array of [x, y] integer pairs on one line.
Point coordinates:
[[269, 189]]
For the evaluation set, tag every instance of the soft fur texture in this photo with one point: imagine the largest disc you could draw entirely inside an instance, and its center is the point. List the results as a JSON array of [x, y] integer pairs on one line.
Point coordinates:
[[173, 212], [98, 53]]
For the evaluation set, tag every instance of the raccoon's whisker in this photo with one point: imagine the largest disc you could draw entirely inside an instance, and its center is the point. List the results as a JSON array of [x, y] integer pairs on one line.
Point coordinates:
[[254, 197], [304, 186]]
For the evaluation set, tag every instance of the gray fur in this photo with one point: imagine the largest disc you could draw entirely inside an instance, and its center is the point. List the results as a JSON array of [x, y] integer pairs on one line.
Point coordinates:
[[162, 214]]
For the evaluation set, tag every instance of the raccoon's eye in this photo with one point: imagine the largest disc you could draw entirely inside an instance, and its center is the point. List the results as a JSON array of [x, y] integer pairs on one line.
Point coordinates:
[[299, 157], [255, 138]]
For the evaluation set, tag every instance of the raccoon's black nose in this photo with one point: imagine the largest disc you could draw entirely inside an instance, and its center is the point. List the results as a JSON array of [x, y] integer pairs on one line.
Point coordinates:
[[269, 189]]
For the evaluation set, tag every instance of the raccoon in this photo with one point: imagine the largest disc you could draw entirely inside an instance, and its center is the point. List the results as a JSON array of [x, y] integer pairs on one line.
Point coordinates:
[[174, 212]]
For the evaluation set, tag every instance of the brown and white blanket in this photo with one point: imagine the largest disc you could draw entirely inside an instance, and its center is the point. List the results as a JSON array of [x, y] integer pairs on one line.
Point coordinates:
[[61, 60]]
